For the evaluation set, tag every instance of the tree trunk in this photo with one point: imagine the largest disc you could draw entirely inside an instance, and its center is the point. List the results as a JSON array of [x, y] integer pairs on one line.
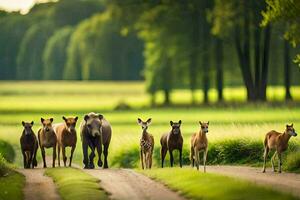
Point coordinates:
[[287, 75], [206, 67], [219, 68], [257, 59], [167, 81], [265, 64]]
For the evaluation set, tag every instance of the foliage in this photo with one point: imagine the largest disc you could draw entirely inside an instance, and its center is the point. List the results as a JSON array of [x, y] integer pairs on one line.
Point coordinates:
[[7, 151], [75, 184], [11, 186], [293, 162]]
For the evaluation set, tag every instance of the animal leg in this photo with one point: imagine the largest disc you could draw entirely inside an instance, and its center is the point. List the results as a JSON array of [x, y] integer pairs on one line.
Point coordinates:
[[279, 162], [163, 153], [105, 152], [192, 157], [30, 154], [99, 151], [85, 154], [24, 159], [150, 159], [266, 152], [27, 159], [171, 157], [204, 159], [142, 158], [43, 155], [54, 156], [196, 155], [71, 157], [58, 154], [63, 149], [34, 161], [272, 161], [91, 158]]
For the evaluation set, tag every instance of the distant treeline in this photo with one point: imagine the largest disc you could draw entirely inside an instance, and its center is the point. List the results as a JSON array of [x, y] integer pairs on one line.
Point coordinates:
[[195, 44]]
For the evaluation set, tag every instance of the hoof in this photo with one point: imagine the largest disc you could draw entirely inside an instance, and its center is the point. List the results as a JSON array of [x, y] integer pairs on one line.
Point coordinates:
[[91, 166], [100, 163]]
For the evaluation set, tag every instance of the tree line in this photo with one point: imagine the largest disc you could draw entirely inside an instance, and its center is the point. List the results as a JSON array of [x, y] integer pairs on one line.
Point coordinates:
[[194, 44]]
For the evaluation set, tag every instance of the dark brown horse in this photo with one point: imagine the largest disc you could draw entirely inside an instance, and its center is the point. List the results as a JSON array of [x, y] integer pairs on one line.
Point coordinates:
[[29, 145], [171, 141], [95, 131]]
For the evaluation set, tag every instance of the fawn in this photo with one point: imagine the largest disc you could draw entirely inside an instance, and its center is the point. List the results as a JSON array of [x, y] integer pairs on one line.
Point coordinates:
[[146, 144]]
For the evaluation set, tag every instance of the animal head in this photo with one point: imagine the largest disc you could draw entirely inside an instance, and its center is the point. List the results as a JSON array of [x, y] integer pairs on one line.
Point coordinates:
[[175, 127], [204, 126], [93, 123], [47, 124], [145, 124], [70, 123], [290, 130], [27, 127]]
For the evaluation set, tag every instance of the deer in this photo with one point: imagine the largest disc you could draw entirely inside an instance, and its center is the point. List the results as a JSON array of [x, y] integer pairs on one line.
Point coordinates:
[[279, 142], [146, 144], [47, 139], [171, 141], [29, 145], [199, 143]]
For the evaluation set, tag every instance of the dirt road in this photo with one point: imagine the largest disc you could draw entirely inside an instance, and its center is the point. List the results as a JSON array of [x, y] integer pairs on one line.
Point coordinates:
[[125, 184], [38, 186], [285, 182]]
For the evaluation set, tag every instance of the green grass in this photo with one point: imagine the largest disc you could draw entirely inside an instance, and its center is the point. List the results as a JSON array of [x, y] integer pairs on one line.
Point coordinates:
[[11, 186], [7, 151], [74, 184], [206, 186]]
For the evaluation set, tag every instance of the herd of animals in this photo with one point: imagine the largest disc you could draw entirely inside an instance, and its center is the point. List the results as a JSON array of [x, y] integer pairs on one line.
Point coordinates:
[[95, 133]]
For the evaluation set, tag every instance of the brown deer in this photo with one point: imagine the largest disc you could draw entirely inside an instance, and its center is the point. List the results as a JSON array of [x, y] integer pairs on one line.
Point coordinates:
[[29, 145], [47, 139], [66, 137], [171, 141], [199, 143], [146, 144], [278, 142]]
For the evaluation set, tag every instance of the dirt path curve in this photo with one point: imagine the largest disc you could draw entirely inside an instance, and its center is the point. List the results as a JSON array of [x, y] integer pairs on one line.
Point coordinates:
[[125, 184], [285, 182], [38, 186]]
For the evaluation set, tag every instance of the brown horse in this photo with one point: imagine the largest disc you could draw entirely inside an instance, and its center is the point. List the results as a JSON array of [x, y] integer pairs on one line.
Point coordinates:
[[278, 142], [199, 143], [146, 144], [95, 131], [29, 145], [47, 139], [66, 137], [171, 141]]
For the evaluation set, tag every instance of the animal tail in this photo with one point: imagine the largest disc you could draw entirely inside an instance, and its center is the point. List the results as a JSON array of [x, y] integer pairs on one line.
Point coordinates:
[[266, 140]]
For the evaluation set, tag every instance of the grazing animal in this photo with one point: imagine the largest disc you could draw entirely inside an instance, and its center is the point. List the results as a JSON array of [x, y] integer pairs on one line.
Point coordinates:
[[278, 142], [171, 141], [47, 139], [95, 131], [66, 137], [29, 145], [199, 143], [146, 144]]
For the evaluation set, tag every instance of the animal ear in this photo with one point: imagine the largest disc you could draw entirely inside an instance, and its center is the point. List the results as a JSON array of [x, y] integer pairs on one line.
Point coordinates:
[[139, 121], [51, 120], [200, 123], [171, 123], [76, 118], [42, 120], [32, 123], [86, 117], [64, 118], [292, 125], [208, 123], [100, 116], [179, 122], [149, 121], [23, 123]]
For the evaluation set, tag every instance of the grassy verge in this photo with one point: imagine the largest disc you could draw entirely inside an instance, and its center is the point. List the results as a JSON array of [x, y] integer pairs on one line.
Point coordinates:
[[207, 186], [7, 151], [11, 186], [74, 184]]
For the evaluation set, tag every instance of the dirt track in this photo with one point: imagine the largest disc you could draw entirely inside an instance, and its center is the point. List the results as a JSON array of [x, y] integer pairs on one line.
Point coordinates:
[[285, 182], [38, 186], [125, 184]]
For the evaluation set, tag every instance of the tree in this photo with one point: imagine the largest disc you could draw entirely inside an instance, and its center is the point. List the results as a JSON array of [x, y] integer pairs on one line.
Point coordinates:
[[54, 55]]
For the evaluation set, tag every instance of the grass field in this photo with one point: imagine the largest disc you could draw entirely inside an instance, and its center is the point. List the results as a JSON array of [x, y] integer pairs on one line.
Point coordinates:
[[32, 100]]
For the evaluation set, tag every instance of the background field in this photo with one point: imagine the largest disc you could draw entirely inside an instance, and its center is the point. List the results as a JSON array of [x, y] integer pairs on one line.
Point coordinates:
[[234, 130]]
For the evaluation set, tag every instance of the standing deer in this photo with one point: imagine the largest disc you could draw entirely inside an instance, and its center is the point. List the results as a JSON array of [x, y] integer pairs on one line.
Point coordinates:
[[199, 143], [171, 141], [147, 144], [29, 145], [278, 142], [47, 139], [66, 137]]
